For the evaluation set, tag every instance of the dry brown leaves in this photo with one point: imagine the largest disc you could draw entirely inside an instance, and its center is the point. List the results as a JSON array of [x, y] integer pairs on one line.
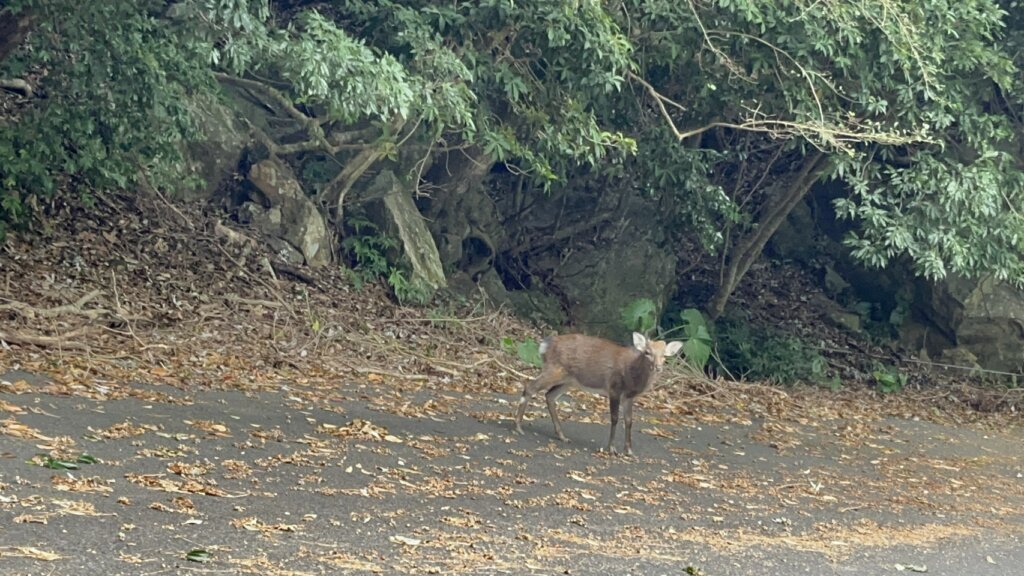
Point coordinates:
[[195, 318], [188, 486], [13, 428], [359, 429], [256, 525], [6, 406], [212, 429], [93, 484], [123, 430]]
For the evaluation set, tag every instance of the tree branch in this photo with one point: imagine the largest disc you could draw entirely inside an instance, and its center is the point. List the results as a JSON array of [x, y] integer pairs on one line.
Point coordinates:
[[749, 248], [318, 140], [779, 128], [336, 190]]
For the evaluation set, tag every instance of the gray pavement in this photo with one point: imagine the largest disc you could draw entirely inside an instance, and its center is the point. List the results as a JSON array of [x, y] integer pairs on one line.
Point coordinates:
[[278, 483]]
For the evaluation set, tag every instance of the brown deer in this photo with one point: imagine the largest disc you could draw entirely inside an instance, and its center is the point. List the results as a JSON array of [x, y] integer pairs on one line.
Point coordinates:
[[619, 372]]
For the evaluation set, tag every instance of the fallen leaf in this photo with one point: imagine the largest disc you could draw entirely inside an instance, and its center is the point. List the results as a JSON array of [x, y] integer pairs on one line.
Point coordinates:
[[8, 407], [28, 552], [406, 540], [30, 519]]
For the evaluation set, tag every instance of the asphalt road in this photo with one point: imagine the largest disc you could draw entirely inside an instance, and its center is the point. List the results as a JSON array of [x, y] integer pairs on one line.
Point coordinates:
[[280, 483]]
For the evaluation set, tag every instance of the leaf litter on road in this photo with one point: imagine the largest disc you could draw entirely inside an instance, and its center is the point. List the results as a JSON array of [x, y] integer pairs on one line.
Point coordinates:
[[202, 329]]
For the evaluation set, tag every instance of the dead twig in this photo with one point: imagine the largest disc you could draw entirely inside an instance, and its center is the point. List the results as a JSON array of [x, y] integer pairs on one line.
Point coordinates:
[[252, 301], [65, 340], [512, 370], [120, 310], [76, 308], [372, 370], [453, 320], [156, 191], [243, 269], [233, 237]]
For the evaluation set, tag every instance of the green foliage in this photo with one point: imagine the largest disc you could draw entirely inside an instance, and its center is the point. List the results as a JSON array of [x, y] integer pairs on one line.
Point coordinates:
[[520, 80], [369, 251], [118, 82], [515, 79], [199, 555], [696, 104], [697, 348], [967, 228], [888, 379], [919, 111], [640, 315], [527, 351], [764, 353], [52, 463], [406, 290]]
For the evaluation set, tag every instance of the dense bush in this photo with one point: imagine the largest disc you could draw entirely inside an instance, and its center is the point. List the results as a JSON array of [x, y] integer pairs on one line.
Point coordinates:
[[767, 353]]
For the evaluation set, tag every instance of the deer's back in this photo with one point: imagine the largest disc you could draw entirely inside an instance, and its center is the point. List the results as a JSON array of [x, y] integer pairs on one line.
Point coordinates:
[[593, 362]]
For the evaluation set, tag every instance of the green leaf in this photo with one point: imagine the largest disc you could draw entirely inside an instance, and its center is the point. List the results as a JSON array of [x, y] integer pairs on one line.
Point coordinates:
[[529, 352], [57, 464], [640, 315], [694, 325], [697, 352], [198, 555]]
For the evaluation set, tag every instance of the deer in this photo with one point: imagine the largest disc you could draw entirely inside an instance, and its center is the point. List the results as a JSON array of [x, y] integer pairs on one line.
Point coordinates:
[[619, 372]]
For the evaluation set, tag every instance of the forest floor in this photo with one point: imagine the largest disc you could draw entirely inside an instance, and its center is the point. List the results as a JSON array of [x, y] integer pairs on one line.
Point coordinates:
[[162, 393]]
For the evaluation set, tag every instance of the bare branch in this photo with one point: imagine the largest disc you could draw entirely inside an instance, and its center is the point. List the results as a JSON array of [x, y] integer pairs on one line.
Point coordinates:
[[336, 190], [834, 135], [822, 133], [318, 141]]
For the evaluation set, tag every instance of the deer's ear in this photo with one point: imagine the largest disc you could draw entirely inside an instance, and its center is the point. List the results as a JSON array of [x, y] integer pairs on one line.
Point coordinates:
[[672, 348], [639, 342]]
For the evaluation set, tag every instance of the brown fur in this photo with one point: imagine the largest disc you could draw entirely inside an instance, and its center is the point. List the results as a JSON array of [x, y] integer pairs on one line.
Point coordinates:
[[619, 372]]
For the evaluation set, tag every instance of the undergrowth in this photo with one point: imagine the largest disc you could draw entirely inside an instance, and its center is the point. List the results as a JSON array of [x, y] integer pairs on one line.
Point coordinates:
[[373, 257], [767, 353]]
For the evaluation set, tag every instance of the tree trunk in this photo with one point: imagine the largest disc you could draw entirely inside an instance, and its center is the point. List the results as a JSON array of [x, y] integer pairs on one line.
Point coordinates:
[[747, 249], [336, 190]]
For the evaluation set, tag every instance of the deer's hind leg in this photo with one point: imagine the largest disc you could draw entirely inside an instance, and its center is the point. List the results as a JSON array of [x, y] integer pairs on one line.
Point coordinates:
[[552, 397], [550, 380]]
